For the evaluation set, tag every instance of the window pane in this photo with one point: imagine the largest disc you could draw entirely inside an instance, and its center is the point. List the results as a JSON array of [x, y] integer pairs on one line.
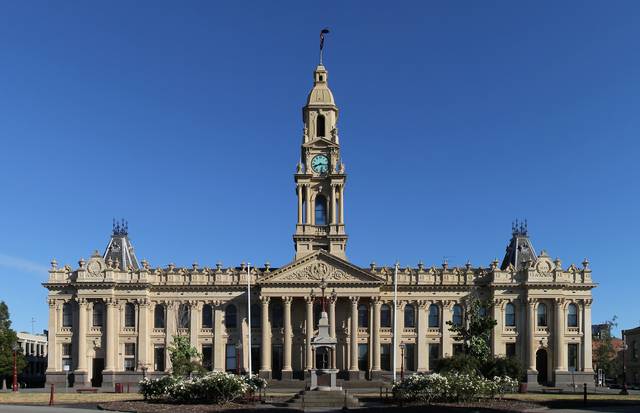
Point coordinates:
[[363, 316], [409, 316], [67, 315], [434, 316], [385, 357], [158, 358], [256, 316], [231, 364], [129, 315], [230, 316], [207, 316], [572, 315], [98, 315], [510, 315], [321, 210], [363, 357], [573, 357], [158, 316], [457, 315], [542, 315], [207, 357], [385, 316], [183, 316]]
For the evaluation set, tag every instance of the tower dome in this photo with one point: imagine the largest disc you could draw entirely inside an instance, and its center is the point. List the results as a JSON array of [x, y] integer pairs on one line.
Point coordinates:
[[320, 94]]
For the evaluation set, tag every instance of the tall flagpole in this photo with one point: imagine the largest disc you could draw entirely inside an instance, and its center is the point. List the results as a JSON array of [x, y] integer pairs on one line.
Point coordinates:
[[249, 313], [395, 318]]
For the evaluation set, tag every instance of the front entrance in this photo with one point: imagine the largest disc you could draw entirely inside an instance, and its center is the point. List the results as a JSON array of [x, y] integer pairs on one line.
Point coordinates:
[[276, 362], [541, 366], [96, 377]]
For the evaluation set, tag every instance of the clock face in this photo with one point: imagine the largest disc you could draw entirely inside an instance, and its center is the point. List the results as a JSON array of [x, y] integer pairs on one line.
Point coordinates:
[[320, 164]]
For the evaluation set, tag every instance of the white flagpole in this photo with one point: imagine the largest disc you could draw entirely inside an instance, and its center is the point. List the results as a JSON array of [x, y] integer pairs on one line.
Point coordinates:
[[395, 308], [249, 313]]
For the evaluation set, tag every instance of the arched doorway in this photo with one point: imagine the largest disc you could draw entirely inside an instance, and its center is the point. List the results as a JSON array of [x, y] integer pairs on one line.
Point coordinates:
[[541, 366]]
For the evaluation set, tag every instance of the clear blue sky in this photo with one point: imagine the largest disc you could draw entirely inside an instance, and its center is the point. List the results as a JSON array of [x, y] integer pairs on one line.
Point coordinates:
[[185, 118]]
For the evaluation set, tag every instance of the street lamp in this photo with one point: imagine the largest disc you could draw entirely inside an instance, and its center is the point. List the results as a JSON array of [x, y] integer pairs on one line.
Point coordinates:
[[624, 390], [16, 347], [402, 346], [238, 350]]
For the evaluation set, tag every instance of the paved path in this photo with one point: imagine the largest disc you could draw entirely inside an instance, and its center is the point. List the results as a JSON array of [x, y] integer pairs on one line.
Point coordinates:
[[11, 408]]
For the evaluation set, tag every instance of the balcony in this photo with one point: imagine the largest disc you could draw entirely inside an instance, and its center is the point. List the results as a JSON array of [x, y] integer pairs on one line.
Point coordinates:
[[128, 330], [158, 331]]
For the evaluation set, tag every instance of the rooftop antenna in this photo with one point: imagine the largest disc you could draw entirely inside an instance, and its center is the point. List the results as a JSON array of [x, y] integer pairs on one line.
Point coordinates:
[[322, 33]]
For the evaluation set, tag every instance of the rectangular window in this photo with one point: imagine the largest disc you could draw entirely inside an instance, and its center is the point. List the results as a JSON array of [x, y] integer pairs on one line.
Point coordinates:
[[207, 357], [363, 357], [458, 349], [231, 364], [434, 354], [510, 349], [158, 358], [410, 357], [98, 315], [573, 357], [129, 357], [256, 358], [385, 357], [66, 357]]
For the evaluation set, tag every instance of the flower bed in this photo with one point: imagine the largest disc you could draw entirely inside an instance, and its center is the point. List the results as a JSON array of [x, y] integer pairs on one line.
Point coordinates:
[[215, 387], [452, 387]]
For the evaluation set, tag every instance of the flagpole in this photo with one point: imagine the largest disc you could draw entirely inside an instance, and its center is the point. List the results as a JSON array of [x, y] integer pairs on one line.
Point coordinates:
[[249, 313], [395, 318]]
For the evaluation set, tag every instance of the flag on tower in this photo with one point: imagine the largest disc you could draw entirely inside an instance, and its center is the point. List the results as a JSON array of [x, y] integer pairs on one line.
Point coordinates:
[[322, 33]]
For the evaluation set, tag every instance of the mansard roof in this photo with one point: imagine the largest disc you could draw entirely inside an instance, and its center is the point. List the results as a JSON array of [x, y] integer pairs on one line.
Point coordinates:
[[120, 250], [520, 248]]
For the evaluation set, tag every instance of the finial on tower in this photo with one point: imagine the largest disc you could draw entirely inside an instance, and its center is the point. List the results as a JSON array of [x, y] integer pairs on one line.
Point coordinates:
[[322, 33], [120, 227]]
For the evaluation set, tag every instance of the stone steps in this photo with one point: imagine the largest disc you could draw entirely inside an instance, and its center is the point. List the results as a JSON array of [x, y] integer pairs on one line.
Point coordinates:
[[317, 398]]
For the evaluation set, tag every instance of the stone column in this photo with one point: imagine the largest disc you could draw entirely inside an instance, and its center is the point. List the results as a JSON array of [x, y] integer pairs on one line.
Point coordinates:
[[332, 328], [531, 336], [52, 348], [422, 345], [586, 332], [143, 334], [332, 199], [287, 370], [171, 330], [81, 369], [299, 191], [307, 189], [110, 331], [341, 204], [353, 368], [560, 359], [309, 328], [195, 312], [265, 371], [219, 348], [495, 332], [377, 304], [447, 343], [397, 353]]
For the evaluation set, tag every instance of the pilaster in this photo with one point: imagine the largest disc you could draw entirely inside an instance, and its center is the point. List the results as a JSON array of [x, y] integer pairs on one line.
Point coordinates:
[[422, 344]]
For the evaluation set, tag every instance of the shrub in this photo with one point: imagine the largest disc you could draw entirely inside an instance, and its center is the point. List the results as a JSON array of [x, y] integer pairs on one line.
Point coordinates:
[[503, 366], [215, 387], [452, 387], [461, 363]]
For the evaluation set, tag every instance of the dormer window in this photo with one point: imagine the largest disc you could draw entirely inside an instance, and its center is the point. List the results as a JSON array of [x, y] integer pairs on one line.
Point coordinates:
[[320, 126]]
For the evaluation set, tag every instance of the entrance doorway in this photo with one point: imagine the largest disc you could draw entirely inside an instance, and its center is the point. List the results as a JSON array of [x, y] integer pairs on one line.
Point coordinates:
[[541, 366], [96, 377], [276, 362]]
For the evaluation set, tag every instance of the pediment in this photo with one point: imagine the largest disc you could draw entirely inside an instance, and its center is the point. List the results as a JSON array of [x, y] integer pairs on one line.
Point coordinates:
[[320, 143], [318, 266]]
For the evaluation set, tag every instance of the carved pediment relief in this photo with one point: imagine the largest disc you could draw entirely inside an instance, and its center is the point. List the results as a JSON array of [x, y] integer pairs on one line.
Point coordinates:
[[318, 266]]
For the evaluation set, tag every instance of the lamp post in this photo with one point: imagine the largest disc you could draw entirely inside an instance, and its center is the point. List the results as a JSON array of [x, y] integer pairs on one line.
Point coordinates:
[[402, 346], [16, 347], [238, 350], [624, 390]]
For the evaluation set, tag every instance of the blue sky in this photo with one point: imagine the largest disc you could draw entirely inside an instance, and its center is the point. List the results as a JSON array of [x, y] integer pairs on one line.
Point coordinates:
[[184, 118]]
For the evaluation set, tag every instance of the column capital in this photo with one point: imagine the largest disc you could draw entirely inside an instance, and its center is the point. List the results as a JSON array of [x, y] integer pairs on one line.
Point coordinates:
[[560, 302], [447, 304], [110, 302], [264, 299], [587, 302], [81, 301], [143, 302], [309, 299], [354, 300], [423, 304], [532, 301], [287, 300]]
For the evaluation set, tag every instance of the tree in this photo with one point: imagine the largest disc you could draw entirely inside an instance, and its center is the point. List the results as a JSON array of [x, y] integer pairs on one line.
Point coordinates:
[[475, 331], [8, 339], [605, 356], [184, 357]]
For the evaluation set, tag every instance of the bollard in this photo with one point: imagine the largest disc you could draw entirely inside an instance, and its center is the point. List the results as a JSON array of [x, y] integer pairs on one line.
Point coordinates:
[[51, 396], [585, 394]]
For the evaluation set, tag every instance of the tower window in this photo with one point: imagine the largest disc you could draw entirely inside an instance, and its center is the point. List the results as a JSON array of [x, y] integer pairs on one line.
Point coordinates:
[[320, 126], [321, 210]]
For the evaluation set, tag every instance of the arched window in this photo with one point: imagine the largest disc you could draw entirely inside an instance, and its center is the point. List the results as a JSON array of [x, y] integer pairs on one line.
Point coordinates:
[[256, 316], [542, 315], [276, 314], [409, 316], [320, 123], [510, 315], [183, 316], [129, 315], [572, 315], [207, 316], [98, 314], [67, 315], [231, 316], [321, 210], [158, 316], [363, 316], [434, 315], [385, 316], [457, 315]]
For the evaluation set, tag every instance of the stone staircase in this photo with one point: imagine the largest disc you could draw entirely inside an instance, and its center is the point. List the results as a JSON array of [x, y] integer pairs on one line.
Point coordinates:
[[309, 399]]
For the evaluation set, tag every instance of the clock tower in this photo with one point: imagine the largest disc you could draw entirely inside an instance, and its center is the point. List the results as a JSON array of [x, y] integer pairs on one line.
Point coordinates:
[[320, 175]]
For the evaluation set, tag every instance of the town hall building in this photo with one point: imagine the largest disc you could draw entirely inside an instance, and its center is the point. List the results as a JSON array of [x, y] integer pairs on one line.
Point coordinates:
[[113, 317]]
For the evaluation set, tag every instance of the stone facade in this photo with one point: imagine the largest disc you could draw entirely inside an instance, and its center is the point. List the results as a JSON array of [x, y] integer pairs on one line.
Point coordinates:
[[632, 356], [34, 347], [112, 318]]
